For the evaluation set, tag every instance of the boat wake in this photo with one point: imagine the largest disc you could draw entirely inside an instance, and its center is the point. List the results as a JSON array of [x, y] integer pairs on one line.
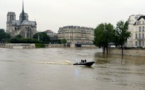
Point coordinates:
[[57, 63]]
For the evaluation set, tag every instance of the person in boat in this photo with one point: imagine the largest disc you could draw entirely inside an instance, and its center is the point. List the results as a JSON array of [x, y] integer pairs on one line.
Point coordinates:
[[83, 61]]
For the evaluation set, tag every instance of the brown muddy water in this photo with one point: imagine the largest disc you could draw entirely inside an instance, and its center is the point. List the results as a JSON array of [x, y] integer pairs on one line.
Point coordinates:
[[52, 69]]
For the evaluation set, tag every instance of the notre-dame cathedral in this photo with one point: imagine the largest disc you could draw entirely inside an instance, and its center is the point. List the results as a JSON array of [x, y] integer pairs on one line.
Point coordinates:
[[22, 27]]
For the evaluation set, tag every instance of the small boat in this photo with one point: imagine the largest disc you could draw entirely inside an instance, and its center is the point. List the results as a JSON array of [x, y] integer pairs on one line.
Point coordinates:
[[84, 62]]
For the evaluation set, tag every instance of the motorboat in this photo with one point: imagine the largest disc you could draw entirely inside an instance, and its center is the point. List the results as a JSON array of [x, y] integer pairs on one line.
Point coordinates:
[[84, 62]]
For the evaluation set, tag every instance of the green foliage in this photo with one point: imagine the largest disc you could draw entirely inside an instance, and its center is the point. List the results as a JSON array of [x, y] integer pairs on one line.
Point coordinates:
[[42, 37], [121, 33], [103, 35], [2, 31], [39, 45], [63, 41], [23, 40], [18, 36], [4, 36], [59, 41]]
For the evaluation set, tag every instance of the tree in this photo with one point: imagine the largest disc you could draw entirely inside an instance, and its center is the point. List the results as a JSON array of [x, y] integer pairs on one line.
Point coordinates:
[[18, 36], [121, 34], [42, 37], [63, 41], [23, 40], [103, 36], [3, 35]]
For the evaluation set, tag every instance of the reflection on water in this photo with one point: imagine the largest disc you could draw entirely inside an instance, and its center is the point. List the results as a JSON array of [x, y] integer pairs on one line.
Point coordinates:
[[52, 69], [126, 71], [57, 63], [118, 59]]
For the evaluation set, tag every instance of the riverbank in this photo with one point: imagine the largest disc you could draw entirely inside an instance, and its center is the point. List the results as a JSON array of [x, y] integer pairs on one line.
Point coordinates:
[[29, 46], [129, 52], [18, 45]]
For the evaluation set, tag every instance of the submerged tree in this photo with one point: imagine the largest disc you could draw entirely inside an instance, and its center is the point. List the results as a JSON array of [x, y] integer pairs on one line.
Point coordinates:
[[103, 36], [121, 34]]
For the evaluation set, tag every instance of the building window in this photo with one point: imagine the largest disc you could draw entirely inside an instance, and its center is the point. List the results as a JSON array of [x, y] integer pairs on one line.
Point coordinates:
[[136, 36], [139, 36], [139, 44], [143, 28], [139, 29], [136, 43]]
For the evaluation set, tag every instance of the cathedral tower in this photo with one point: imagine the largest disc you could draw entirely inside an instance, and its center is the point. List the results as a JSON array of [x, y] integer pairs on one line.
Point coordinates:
[[11, 16]]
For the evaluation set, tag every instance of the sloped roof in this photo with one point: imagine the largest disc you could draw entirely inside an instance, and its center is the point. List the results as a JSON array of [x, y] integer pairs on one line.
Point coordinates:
[[141, 17], [25, 22]]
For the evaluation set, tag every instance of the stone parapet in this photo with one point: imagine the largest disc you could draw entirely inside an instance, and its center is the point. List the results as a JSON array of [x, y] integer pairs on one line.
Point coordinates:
[[54, 45], [18, 45]]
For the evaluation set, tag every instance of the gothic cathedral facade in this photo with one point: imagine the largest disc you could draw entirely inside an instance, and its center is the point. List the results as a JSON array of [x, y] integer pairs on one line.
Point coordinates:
[[22, 27]]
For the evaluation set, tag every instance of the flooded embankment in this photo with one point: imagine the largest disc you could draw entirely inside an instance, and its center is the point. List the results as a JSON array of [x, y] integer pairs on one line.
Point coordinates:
[[130, 52]]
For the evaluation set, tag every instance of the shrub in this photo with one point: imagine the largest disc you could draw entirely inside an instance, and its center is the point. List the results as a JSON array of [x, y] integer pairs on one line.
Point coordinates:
[[39, 45]]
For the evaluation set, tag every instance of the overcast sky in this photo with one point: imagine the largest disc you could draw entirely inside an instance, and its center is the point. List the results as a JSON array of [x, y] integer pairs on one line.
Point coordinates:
[[52, 14]]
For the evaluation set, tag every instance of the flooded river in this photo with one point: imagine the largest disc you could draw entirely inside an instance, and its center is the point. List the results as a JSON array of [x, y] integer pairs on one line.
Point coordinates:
[[52, 69]]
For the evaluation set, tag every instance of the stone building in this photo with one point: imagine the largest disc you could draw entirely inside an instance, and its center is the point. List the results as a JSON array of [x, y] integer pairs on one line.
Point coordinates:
[[137, 29], [53, 36], [22, 27], [76, 34]]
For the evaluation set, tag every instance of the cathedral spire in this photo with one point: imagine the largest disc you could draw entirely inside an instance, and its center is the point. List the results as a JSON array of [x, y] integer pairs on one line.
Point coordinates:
[[23, 13], [23, 6]]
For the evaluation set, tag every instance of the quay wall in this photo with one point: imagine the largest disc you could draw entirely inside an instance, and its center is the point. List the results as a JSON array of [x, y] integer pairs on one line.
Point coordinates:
[[54, 45], [130, 52], [71, 46], [18, 45], [2, 45], [29, 46]]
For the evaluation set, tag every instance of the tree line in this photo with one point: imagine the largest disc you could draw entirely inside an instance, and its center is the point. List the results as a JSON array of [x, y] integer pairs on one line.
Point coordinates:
[[40, 37], [106, 34]]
